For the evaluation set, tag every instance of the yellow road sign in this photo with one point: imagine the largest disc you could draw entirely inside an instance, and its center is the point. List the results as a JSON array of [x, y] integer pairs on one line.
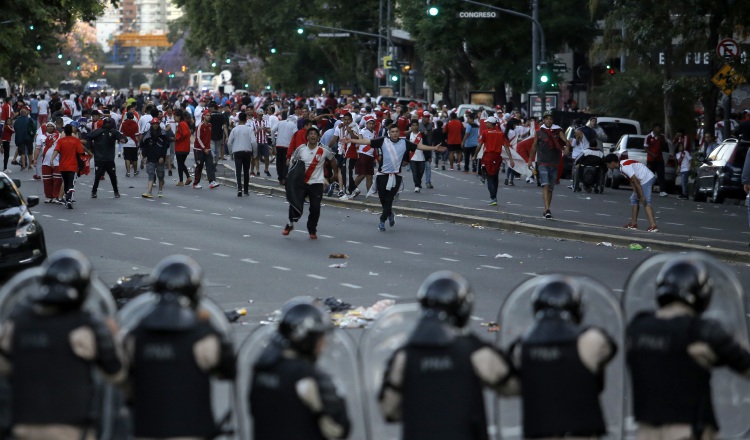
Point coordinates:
[[727, 79]]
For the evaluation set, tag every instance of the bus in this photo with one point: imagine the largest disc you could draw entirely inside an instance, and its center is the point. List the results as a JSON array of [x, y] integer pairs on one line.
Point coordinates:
[[200, 81]]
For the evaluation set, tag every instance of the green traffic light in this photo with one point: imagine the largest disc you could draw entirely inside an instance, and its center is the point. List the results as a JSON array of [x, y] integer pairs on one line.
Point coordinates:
[[273, 50], [300, 31], [228, 60], [68, 62], [321, 82], [433, 11], [544, 78], [394, 78], [213, 64], [38, 47]]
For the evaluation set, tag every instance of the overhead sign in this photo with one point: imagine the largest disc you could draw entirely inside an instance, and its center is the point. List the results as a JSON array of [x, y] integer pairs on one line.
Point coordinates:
[[483, 14], [727, 79], [379, 72], [535, 102], [388, 61], [728, 48], [334, 34], [560, 67]]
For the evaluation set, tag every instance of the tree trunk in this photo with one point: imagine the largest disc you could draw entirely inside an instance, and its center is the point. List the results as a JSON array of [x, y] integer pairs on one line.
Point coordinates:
[[711, 97], [667, 97], [501, 97]]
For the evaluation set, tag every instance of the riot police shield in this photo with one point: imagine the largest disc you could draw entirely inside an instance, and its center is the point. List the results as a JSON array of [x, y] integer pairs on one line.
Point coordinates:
[[388, 333], [338, 359], [600, 309], [729, 390], [21, 290], [139, 307]]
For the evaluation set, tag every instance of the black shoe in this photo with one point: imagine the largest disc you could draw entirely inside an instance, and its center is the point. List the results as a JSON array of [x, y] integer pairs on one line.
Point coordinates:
[[511, 183], [117, 195], [69, 205], [247, 193], [267, 173], [93, 195], [547, 214], [170, 172], [506, 182], [239, 193], [443, 167]]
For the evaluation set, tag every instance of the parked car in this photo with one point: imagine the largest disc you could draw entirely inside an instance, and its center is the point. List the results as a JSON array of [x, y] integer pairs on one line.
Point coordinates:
[[615, 128], [630, 146], [720, 175], [474, 108], [22, 242]]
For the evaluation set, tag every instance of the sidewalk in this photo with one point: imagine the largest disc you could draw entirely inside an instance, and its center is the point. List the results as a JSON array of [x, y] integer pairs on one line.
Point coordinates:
[[526, 224]]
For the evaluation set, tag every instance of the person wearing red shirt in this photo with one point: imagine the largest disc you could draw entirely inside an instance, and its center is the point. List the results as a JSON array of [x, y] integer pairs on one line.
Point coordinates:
[[182, 147], [7, 135], [453, 130], [403, 121], [129, 129], [70, 149], [299, 138], [202, 152], [655, 144], [491, 142]]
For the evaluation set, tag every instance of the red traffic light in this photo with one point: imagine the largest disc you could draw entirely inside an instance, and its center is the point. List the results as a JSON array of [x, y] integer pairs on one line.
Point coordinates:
[[611, 71]]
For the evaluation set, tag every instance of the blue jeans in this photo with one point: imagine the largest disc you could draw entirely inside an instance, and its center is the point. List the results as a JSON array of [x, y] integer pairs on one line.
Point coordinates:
[[216, 148], [646, 187], [548, 175], [684, 176]]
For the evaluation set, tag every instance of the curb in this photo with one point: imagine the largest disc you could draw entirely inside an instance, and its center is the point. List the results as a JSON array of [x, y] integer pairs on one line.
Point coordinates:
[[519, 226]]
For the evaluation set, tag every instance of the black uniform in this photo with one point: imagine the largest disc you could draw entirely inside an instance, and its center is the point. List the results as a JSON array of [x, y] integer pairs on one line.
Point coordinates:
[[171, 393], [560, 393], [669, 386], [104, 146], [279, 412]]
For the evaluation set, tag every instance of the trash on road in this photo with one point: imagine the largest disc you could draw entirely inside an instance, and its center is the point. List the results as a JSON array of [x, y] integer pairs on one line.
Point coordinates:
[[503, 256], [492, 326], [338, 256], [477, 226], [604, 243], [338, 265], [336, 305], [574, 258], [236, 314], [373, 273], [635, 247], [361, 316]]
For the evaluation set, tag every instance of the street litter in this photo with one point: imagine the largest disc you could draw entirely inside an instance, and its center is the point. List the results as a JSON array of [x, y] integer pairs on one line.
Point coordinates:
[[338, 256], [236, 314], [604, 243], [361, 316], [503, 256], [477, 226], [574, 258], [373, 273], [635, 247], [492, 326], [336, 305], [338, 265]]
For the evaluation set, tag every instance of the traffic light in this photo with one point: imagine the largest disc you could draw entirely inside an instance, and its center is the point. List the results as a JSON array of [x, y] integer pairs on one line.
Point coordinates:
[[59, 54], [394, 77], [544, 78], [68, 62], [169, 74], [161, 71], [213, 64], [300, 24], [321, 82], [38, 44], [228, 60], [273, 50], [78, 66], [432, 10], [31, 27], [96, 67], [406, 68], [610, 69], [300, 30], [184, 68]]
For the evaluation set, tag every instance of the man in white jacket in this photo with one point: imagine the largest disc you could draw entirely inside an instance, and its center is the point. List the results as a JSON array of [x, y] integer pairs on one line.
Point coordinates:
[[243, 145]]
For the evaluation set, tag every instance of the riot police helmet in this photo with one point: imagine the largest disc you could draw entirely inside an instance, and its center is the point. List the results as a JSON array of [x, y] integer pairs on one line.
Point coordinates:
[[560, 296], [178, 275], [447, 295], [66, 278], [684, 280], [302, 326]]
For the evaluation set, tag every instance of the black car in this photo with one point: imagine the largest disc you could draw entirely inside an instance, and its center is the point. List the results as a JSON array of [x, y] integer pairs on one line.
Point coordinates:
[[720, 176], [22, 242]]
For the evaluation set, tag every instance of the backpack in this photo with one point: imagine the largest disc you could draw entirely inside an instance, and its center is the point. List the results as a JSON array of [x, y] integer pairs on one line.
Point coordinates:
[[31, 129]]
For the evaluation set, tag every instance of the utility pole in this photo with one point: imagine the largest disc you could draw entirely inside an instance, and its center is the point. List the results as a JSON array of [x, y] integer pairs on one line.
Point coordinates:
[[534, 43]]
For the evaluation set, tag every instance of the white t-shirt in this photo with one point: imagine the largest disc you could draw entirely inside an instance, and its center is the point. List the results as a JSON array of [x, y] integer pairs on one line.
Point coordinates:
[[144, 124], [341, 132], [632, 168], [307, 155], [416, 138], [685, 164], [43, 107]]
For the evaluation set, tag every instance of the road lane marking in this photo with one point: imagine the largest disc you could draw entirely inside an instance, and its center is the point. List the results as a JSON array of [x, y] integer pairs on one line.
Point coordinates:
[[602, 215], [609, 201], [353, 242], [477, 318], [182, 207], [382, 247], [281, 268], [198, 210], [216, 213], [97, 229], [449, 259], [118, 233], [388, 295], [257, 222], [462, 198], [351, 286], [412, 253], [236, 218], [674, 224], [248, 260], [531, 274], [491, 267], [165, 243], [710, 229], [571, 210], [276, 226], [221, 255], [191, 249], [325, 236], [317, 277], [79, 224], [142, 238], [63, 219], [46, 215]]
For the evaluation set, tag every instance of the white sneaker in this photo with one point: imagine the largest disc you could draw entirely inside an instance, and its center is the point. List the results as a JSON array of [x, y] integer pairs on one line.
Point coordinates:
[[356, 192], [663, 194], [197, 186], [213, 185], [6, 171], [417, 189]]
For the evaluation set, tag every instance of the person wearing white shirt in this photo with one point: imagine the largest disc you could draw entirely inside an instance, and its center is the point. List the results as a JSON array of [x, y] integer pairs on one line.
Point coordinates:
[[642, 182], [684, 160], [313, 156], [283, 133], [417, 159], [43, 111], [243, 144]]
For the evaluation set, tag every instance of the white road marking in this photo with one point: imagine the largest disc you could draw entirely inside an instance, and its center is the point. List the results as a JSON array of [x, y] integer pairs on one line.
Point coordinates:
[[97, 229], [491, 267], [198, 210], [79, 224], [317, 277], [710, 229], [531, 274], [281, 268], [382, 247], [142, 238], [412, 253], [664, 207], [257, 222], [216, 213], [674, 224], [236, 218], [118, 233], [351, 286], [462, 198], [353, 242], [477, 318], [165, 243], [276, 226], [220, 255], [248, 260], [325, 236], [191, 249], [603, 215], [63, 219], [182, 207], [441, 195], [449, 259], [46, 215], [609, 201], [571, 210], [165, 203], [388, 295]]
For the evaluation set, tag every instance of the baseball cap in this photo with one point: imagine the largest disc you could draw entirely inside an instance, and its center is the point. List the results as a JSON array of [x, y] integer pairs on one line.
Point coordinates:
[[491, 120], [155, 121], [426, 114]]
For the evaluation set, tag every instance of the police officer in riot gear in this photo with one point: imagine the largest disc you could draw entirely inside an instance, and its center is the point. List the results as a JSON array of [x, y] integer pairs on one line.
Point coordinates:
[[561, 366], [290, 398], [670, 354], [50, 348], [174, 351], [433, 384]]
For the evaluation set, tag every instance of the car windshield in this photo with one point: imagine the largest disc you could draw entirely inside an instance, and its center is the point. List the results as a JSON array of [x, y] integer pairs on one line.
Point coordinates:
[[615, 130], [8, 195], [740, 155], [635, 143]]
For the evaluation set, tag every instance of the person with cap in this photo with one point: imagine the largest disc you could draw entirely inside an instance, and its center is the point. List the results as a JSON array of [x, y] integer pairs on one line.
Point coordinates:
[[560, 365], [433, 384], [155, 147], [50, 347], [454, 130], [51, 178], [671, 352], [548, 143], [173, 352], [427, 128], [388, 180], [310, 184], [290, 397], [491, 143], [365, 166], [104, 142]]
